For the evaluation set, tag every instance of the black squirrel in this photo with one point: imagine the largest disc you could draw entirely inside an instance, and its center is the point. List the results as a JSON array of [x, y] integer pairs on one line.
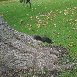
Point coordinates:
[[37, 37], [43, 39], [46, 39]]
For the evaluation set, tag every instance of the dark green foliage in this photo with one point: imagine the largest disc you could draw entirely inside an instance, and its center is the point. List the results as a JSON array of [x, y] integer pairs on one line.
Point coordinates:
[[21, 1], [3, 0]]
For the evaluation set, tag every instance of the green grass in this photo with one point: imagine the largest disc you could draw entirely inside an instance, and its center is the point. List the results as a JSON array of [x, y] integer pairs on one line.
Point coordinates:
[[56, 19]]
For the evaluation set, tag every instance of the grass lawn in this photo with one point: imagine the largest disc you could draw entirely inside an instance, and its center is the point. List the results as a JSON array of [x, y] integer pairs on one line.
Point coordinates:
[[56, 19]]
